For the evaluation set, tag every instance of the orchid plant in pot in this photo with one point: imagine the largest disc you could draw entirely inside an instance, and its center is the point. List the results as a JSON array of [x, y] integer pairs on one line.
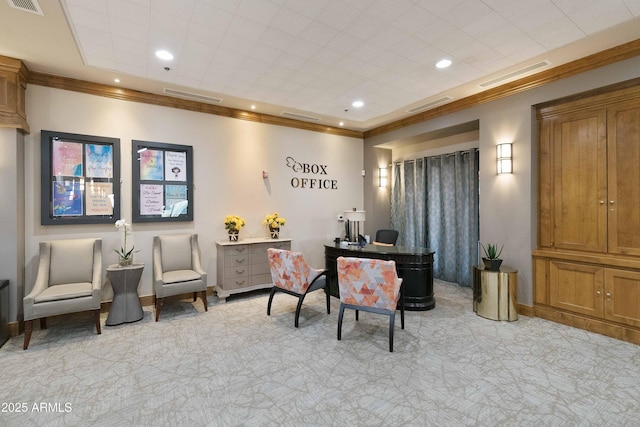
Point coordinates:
[[125, 255]]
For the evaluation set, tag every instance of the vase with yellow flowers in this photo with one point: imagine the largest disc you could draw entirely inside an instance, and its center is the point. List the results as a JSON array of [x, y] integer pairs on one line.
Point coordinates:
[[274, 222], [233, 223]]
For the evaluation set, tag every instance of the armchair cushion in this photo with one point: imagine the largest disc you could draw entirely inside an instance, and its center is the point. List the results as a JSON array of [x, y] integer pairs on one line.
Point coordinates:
[[63, 292], [180, 276]]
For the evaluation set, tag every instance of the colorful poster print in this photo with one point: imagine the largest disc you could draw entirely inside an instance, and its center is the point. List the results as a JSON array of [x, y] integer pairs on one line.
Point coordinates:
[[67, 197], [66, 158], [151, 165], [99, 160], [151, 199], [175, 166], [99, 198], [175, 200]]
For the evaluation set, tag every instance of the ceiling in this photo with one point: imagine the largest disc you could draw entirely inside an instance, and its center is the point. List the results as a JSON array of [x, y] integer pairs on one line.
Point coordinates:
[[313, 58]]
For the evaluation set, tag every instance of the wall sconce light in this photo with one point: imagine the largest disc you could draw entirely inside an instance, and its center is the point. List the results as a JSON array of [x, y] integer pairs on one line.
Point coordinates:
[[382, 175], [504, 157]]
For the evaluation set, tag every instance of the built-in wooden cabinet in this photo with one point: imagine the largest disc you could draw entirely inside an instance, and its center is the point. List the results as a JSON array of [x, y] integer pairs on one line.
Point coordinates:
[[587, 264]]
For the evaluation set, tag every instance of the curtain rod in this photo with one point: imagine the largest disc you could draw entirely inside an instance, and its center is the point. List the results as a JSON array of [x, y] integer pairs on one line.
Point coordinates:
[[440, 155]]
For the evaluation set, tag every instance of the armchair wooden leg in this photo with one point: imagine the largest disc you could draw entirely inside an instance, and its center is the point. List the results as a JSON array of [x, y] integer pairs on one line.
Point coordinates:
[[158, 306], [273, 291], [96, 319], [326, 292], [28, 327], [204, 300], [300, 300], [392, 318], [401, 308], [43, 323], [340, 314]]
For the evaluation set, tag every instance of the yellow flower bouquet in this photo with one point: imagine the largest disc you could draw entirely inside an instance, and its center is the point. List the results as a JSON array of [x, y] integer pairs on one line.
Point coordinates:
[[274, 222], [233, 223]]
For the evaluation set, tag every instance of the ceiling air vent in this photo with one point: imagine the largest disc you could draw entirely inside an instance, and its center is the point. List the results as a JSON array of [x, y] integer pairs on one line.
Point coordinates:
[[516, 73], [195, 96], [26, 5], [430, 104], [299, 116]]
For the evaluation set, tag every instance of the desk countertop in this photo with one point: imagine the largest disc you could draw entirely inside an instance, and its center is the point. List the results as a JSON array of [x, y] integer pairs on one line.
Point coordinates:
[[383, 250]]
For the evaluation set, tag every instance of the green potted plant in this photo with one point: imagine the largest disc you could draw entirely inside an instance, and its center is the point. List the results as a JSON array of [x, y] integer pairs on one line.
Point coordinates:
[[492, 259]]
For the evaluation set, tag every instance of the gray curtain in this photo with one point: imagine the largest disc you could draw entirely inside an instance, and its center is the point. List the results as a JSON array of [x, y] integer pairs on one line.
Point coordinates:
[[435, 205]]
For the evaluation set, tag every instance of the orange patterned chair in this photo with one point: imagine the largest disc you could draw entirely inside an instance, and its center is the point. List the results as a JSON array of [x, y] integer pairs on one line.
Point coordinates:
[[292, 275], [370, 285]]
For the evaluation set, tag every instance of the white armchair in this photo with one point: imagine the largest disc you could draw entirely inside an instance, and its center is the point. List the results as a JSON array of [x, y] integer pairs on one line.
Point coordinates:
[[69, 280], [177, 269]]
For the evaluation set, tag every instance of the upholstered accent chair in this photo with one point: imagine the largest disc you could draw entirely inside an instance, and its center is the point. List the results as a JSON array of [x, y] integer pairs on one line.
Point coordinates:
[[386, 237], [69, 280], [370, 285], [177, 269], [292, 275]]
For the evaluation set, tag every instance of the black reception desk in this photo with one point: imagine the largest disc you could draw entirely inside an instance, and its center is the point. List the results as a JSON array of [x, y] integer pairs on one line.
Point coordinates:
[[414, 265]]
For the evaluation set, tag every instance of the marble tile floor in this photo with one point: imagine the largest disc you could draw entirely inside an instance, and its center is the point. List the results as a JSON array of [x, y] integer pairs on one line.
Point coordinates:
[[235, 366]]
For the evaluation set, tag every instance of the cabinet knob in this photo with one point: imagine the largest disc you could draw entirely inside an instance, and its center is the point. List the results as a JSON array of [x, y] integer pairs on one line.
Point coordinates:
[[611, 202], [598, 292], [608, 294], [602, 202]]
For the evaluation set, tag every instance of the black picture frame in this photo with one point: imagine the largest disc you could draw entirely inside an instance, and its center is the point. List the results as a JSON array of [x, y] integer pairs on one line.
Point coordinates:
[[80, 178], [162, 182]]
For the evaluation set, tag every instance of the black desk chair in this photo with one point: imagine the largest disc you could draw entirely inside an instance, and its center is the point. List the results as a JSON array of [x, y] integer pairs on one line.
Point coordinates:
[[388, 237]]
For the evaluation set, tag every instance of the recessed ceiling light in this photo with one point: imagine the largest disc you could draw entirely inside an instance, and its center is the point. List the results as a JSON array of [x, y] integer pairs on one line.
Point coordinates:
[[357, 104], [164, 54], [341, 123], [253, 107], [443, 63], [116, 80]]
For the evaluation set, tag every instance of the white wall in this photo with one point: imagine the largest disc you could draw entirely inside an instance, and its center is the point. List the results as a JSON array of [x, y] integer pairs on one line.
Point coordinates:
[[508, 202], [229, 157]]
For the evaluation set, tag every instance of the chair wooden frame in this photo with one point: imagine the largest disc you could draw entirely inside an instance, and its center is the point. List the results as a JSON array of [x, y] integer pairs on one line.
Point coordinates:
[[315, 284], [390, 313]]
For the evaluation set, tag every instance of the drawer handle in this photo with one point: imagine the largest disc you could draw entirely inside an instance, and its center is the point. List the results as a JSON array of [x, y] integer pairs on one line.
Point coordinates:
[[240, 261], [240, 272], [240, 283], [239, 249]]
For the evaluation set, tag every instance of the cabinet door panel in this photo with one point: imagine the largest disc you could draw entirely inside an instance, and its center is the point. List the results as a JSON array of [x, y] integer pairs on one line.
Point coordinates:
[[624, 178], [622, 301], [580, 179], [576, 287]]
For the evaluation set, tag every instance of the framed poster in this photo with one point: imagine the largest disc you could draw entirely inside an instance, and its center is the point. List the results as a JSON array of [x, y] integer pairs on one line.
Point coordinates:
[[80, 176], [162, 182]]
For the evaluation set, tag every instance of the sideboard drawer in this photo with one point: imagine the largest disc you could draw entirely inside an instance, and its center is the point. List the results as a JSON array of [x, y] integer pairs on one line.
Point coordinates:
[[236, 260], [233, 272], [236, 250]]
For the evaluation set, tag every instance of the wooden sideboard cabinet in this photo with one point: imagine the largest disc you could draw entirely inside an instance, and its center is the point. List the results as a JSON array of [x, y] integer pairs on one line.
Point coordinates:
[[243, 266]]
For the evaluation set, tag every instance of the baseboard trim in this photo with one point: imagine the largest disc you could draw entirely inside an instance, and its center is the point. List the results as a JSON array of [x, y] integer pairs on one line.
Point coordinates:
[[16, 328], [526, 310], [613, 330]]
